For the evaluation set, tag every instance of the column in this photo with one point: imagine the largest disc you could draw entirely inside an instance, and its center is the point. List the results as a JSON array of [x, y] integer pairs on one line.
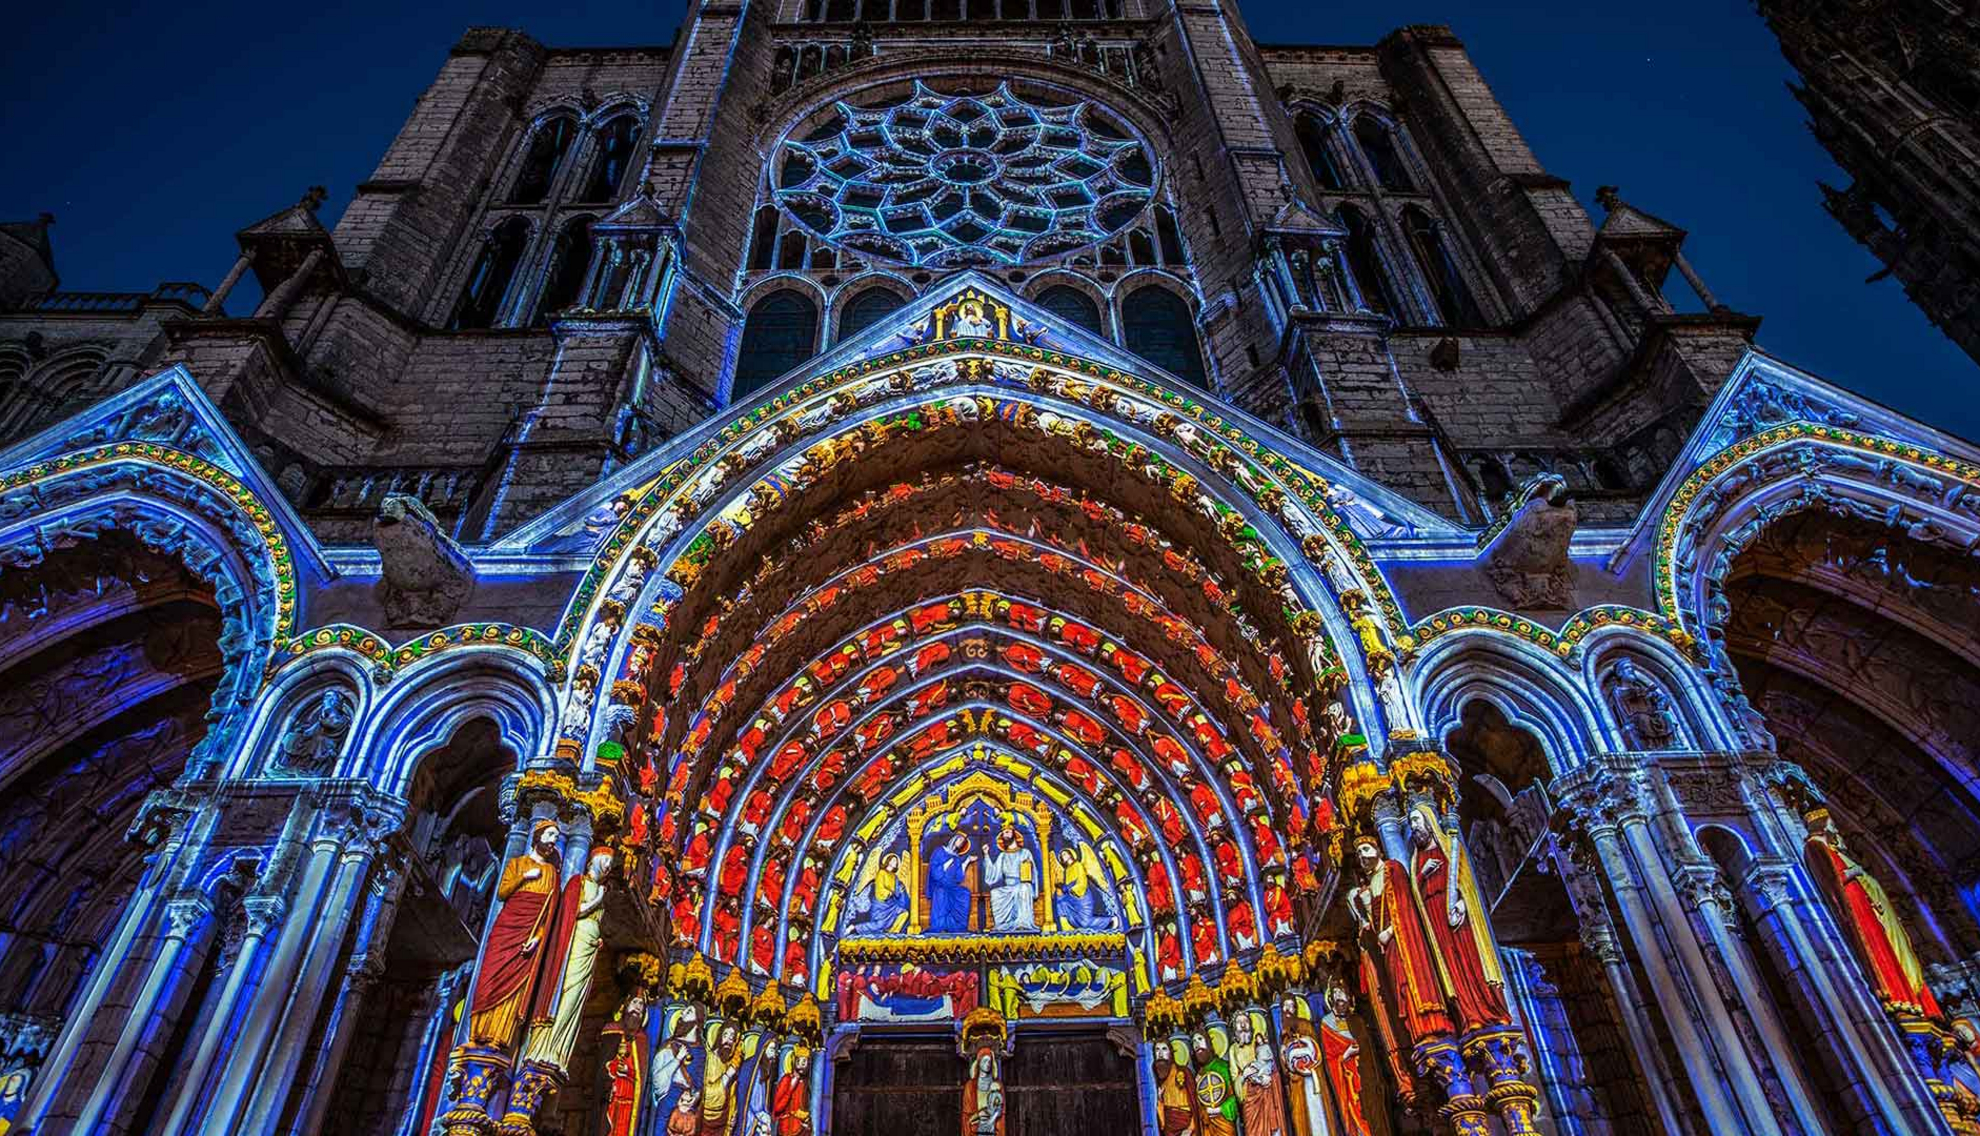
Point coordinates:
[[276, 304], [273, 1082], [1598, 937], [163, 822], [182, 918], [1781, 899], [262, 912], [422, 1078], [1692, 278], [54, 1067], [366, 966], [1606, 802], [252, 1039], [1701, 889]]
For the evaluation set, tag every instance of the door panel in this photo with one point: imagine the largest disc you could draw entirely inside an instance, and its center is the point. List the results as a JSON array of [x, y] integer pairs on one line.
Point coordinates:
[[1070, 1083], [899, 1087]]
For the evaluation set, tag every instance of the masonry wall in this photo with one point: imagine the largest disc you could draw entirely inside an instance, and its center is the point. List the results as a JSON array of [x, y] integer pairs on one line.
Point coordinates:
[[358, 388]]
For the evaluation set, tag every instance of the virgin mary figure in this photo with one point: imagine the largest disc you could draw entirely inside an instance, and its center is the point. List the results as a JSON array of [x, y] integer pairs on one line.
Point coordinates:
[[948, 886]]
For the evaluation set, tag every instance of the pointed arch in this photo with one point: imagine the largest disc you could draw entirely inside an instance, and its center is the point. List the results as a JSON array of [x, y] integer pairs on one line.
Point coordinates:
[[488, 281]]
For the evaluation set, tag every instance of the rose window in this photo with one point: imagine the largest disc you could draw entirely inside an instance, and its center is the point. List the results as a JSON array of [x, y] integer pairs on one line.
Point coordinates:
[[951, 181]]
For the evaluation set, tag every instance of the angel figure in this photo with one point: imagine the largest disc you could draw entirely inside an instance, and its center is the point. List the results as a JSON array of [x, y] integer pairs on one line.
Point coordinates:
[[1078, 900], [879, 899]]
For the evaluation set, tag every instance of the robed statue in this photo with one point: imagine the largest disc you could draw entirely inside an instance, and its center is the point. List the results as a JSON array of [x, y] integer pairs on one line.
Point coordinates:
[[1868, 921], [1385, 908], [553, 1039], [1342, 1054], [1457, 924], [520, 943], [949, 886], [1011, 875]]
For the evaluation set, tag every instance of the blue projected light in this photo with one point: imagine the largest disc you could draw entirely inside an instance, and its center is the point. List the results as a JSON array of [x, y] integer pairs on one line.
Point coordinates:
[[957, 181]]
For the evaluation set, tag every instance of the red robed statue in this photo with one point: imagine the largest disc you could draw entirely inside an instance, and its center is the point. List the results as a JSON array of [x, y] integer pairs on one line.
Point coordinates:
[[1385, 907], [522, 944], [1868, 921], [1457, 927]]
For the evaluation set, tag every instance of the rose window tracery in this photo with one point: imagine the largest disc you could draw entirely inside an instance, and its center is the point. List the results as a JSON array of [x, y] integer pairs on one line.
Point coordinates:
[[959, 180]]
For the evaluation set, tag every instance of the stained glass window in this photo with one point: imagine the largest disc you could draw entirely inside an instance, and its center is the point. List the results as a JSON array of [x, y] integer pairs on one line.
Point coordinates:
[[951, 181], [1072, 305], [481, 296], [867, 309], [568, 261]]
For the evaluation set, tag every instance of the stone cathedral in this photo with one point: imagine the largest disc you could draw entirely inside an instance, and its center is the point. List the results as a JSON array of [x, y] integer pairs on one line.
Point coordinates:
[[972, 568]]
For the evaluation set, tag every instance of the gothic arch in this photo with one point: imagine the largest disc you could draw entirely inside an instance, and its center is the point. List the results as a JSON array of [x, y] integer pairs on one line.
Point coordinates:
[[219, 531], [287, 696], [1829, 573], [428, 705], [1317, 128], [1700, 725], [857, 288], [1531, 687], [1099, 296], [1163, 302], [1411, 165], [798, 468]]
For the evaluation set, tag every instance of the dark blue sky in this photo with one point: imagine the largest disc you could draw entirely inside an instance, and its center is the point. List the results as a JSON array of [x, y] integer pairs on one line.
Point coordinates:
[[154, 131]]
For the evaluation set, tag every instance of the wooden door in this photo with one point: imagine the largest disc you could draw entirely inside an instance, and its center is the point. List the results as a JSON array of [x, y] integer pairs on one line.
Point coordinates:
[[1075, 1082], [899, 1087]]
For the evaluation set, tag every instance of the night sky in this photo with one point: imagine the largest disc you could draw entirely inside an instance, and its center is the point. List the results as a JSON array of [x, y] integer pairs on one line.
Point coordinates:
[[153, 132]]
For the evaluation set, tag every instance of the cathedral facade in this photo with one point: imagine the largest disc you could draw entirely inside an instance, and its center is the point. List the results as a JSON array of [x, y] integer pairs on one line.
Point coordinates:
[[980, 567]]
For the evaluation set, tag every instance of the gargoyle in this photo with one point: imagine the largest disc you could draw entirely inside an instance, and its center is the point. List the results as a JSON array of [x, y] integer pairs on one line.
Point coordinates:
[[426, 575], [1528, 561]]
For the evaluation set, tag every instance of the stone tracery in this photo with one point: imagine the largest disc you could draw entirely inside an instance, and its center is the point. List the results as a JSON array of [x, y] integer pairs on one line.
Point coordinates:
[[958, 180]]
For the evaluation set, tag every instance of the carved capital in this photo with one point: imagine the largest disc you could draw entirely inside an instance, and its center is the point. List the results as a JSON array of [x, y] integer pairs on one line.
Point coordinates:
[[183, 915], [1769, 881], [1703, 889], [1787, 781], [1600, 796], [593, 795], [359, 819], [263, 913]]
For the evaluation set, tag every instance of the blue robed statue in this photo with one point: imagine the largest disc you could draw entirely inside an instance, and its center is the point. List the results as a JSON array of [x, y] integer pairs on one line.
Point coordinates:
[[949, 886]]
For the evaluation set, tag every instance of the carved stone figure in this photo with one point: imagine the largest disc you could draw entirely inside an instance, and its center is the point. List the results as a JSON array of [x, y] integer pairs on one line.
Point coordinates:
[[1393, 935], [1453, 909], [1528, 563], [574, 957], [1645, 712], [1868, 921], [514, 959], [426, 575], [315, 735]]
